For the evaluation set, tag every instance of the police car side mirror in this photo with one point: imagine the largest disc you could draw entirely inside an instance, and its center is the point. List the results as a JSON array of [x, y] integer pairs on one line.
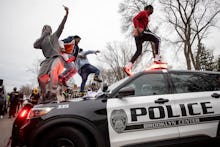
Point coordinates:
[[126, 91]]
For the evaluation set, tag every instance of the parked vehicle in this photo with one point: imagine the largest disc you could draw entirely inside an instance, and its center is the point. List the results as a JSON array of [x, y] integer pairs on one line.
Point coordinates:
[[156, 107]]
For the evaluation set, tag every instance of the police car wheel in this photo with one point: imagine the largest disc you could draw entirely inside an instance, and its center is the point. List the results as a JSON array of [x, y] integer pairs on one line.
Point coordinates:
[[64, 137]]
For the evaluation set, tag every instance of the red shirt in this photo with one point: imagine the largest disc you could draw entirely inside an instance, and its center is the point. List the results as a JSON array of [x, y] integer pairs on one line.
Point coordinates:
[[141, 19]]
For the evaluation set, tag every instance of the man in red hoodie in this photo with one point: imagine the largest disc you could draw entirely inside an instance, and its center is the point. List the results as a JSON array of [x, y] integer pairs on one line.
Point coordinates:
[[142, 33]]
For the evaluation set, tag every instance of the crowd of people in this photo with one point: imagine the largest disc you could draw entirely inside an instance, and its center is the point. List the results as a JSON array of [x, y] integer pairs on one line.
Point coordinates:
[[10, 103]]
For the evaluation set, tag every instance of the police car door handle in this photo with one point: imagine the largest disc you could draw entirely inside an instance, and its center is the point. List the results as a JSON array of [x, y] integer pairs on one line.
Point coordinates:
[[215, 95], [161, 101]]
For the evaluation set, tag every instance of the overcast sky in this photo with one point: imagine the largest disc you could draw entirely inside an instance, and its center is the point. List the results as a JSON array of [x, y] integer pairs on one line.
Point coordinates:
[[97, 22]]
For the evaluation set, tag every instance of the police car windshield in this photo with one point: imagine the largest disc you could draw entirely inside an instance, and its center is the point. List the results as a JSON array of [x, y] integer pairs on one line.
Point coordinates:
[[115, 85]]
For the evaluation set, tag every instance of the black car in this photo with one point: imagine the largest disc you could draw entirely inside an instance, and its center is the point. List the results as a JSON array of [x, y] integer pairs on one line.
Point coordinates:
[[151, 108]]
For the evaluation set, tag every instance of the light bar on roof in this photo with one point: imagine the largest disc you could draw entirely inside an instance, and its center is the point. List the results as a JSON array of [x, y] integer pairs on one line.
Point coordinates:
[[156, 66]]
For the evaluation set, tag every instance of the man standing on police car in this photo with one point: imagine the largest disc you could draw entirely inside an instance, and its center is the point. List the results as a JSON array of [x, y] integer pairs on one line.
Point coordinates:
[[53, 64], [141, 34]]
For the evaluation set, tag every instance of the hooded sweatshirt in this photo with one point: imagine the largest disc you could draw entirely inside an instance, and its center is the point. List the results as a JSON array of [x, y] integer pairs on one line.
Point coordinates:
[[50, 47]]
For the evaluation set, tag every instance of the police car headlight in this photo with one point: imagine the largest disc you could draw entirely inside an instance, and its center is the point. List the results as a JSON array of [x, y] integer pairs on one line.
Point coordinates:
[[38, 112]]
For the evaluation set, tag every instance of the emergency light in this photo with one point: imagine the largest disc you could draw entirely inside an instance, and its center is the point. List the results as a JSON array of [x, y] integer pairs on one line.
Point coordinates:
[[156, 66], [23, 113]]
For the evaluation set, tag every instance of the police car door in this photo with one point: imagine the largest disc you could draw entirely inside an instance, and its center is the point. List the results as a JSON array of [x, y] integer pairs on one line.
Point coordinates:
[[198, 102], [139, 114]]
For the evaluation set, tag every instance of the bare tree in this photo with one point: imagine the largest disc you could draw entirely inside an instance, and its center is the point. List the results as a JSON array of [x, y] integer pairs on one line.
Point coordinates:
[[26, 89], [218, 64], [191, 20], [34, 69], [107, 75], [115, 57]]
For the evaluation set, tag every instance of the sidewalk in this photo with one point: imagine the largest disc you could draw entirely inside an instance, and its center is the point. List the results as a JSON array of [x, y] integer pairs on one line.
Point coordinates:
[[5, 130]]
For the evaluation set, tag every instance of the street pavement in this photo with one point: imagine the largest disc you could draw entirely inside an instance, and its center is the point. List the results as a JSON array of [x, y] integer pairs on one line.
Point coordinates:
[[5, 130]]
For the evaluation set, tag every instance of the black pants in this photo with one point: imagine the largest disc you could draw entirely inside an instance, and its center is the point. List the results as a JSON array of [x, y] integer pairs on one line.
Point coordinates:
[[145, 36], [84, 73], [1, 109], [12, 109]]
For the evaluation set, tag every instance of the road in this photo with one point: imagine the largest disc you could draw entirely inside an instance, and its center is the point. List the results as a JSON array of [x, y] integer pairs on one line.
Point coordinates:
[[5, 130]]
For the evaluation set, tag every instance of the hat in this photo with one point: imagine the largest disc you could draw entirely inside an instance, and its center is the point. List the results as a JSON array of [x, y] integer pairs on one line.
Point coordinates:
[[70, 38], [76, 36], [35, 91]]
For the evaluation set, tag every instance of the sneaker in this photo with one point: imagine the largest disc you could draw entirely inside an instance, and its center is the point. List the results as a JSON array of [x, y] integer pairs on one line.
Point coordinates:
[[127, 69], [96, 78], [1, 117], [157, 59]]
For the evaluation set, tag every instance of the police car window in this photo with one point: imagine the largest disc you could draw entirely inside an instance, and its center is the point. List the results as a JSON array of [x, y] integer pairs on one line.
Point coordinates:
[[115, 85], [195, 82], [149, 84]]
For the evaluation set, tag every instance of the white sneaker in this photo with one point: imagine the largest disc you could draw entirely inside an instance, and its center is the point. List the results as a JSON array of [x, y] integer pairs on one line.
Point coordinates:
[[1, 117], [127, 69]]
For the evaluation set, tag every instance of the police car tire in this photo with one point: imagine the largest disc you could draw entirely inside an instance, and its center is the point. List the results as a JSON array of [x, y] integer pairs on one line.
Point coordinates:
[[71, 134]]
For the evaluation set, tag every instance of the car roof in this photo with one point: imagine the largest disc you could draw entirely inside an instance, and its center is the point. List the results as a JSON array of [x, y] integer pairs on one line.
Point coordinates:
[[179, 71], [194, 71]]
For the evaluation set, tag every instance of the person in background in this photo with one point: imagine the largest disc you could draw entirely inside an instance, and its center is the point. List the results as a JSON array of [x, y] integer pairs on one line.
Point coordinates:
[[92, 91], [69, 55], [142, 34], [85, 68], [2, 103], [53, 64], [35, 96], [20, 100], [7, 105], [13, 102]]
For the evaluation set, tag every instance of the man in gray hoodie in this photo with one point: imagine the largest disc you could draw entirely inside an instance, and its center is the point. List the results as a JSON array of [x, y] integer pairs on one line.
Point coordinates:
[[85, 68], [52, 66]]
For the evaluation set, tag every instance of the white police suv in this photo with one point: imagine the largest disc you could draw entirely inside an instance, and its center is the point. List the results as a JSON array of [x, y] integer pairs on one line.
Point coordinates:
[[152, 108]]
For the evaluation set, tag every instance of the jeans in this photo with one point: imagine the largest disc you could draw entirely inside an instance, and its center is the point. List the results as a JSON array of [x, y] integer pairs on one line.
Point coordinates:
[[84, 73]]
